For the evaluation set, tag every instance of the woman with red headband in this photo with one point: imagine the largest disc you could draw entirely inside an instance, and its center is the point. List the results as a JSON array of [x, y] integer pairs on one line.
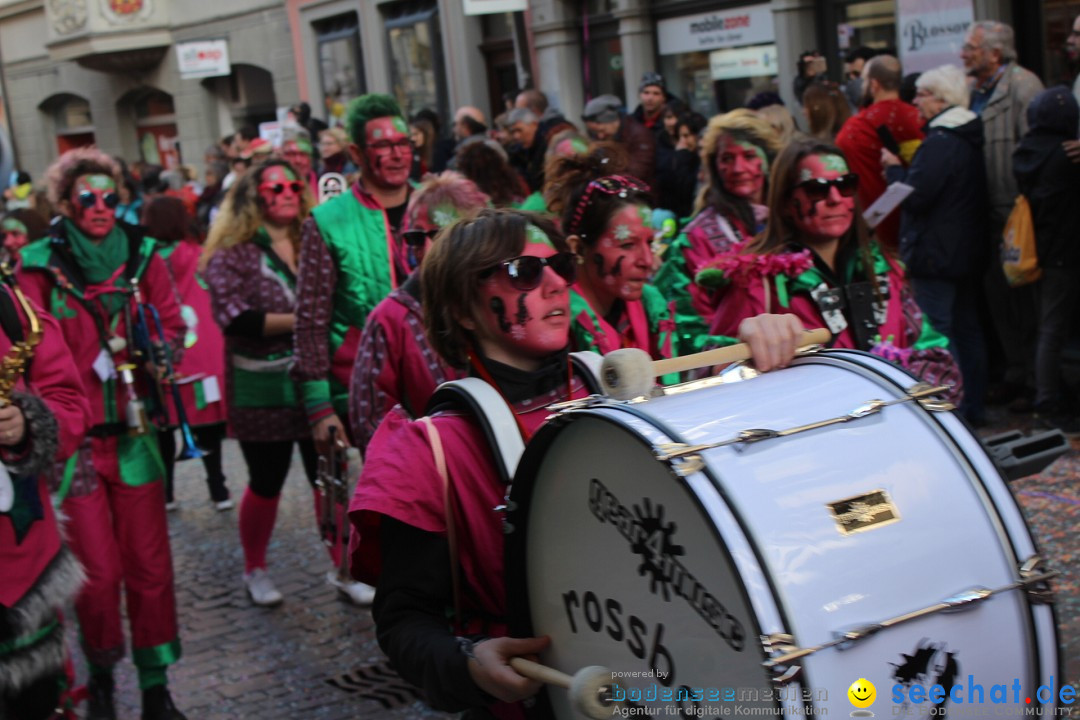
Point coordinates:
[[607, 221]]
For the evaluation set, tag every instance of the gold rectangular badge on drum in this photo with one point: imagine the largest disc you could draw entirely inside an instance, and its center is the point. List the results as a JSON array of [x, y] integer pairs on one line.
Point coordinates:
[[864, 512]]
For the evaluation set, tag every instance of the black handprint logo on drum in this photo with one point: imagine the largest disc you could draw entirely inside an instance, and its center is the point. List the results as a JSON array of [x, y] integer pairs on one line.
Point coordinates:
[[653, 542]]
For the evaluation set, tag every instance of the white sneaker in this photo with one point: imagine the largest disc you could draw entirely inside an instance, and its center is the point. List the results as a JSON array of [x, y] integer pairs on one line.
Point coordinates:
[[358, 593], [172, 506], [260, 588], [223, 505]]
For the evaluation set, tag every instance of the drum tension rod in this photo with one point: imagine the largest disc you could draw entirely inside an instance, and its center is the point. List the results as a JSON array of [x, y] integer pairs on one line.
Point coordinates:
[[921, 392], [957, 603]]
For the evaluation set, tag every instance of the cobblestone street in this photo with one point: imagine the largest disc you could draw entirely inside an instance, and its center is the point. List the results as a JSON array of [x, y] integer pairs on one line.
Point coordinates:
[[315, 656]]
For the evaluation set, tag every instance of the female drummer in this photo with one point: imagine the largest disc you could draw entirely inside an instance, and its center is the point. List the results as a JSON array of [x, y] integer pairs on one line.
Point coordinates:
[[250, 262], [817, 261], [395, 364], [737, 151], [496, 300], [607, 221]]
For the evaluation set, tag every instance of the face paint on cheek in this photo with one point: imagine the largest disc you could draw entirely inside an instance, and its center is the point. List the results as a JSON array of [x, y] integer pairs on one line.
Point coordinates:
[[522, 316], [499, 308]]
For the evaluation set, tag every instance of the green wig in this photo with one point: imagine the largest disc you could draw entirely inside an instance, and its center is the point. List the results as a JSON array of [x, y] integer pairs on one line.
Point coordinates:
[[366, 108]]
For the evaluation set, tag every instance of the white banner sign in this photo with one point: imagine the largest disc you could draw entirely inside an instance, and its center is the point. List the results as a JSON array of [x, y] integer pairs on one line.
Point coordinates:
[[743, 62], [203, 58], [487, 7], [931, 32], [751, 25]]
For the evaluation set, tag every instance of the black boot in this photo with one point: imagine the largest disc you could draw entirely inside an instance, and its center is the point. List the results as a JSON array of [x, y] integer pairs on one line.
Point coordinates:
[[157, 704], [100, 704]]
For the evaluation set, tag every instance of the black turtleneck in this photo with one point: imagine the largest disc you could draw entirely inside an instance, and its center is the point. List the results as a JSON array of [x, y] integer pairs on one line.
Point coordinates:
[[517, 385]]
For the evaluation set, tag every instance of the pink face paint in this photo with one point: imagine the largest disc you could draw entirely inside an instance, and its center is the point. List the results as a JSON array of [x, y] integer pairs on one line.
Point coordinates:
[[90, 200], [387, 151], [827, 219], [281, 203], [532, 324], [742, 167], [297, 157], [619, 264]]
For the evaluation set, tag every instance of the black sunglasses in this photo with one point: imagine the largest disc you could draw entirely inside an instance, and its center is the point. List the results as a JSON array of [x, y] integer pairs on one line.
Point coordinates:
[[278, 188], [817, 189], [89, 199], [417, 238], [526, 271]]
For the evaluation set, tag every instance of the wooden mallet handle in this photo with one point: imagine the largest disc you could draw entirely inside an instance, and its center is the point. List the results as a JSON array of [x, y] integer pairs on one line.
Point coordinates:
[[589, 688], [540, 673], [725, 355]]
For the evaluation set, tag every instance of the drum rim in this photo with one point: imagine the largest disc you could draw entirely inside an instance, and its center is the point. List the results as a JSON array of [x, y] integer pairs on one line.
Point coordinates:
[[858, 358], [519, 618]]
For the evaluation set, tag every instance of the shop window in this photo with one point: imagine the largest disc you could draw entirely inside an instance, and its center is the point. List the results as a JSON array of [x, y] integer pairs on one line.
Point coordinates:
[[72, 121], [605, 71], [872, 24], [416, 59], [341, 65], [155, 126], [1059, 16]]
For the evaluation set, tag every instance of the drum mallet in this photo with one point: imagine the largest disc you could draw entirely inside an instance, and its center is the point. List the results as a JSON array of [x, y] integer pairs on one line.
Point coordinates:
[[629, 373], [589, 687]]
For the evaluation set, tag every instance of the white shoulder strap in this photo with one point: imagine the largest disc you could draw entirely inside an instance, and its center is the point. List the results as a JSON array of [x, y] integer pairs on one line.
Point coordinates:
[[495, 415], [589, 364]]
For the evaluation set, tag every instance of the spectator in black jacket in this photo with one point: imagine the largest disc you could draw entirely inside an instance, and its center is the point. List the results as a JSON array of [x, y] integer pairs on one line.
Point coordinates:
[[677, 173], [943, 225], [1051, 183]]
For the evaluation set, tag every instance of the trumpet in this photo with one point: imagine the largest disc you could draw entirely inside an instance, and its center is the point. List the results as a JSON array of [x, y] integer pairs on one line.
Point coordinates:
[[12, 367], [332, 482], [158, 353]]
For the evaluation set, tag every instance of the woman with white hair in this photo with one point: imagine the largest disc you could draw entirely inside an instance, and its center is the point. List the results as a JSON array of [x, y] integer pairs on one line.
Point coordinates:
[[943, 225]]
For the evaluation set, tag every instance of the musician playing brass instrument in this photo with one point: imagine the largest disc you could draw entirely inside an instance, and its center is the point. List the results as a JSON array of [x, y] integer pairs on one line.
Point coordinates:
[[111, 295], [43, 415]]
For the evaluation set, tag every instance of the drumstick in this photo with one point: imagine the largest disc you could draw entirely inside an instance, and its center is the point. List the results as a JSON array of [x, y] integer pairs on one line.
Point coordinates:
[[589, 687], [628, 373]]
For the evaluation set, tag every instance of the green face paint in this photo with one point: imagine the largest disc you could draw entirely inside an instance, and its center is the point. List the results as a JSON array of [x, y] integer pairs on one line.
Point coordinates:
[[534, 234], [445, 214], [13, 225], [99, 182], [401, 126], [835, 163], [645, 214], [759, 152]]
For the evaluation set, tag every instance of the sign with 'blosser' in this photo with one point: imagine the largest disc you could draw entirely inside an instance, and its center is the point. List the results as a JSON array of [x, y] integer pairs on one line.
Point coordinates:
[[930, 33]]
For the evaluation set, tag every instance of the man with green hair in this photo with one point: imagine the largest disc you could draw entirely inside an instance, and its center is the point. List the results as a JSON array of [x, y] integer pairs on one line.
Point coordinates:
[[351, 257]]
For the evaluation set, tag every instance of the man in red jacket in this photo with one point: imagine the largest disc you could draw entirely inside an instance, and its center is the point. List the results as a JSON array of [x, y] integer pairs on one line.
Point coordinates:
[[861, 142]]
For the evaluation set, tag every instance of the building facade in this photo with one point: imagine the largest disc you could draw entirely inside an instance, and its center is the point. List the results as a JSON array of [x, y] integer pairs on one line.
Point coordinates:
[[159, 80]]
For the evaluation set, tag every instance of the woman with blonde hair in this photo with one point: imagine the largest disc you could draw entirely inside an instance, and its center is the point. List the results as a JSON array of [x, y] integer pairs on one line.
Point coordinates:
[[736, 152], [250, 265]]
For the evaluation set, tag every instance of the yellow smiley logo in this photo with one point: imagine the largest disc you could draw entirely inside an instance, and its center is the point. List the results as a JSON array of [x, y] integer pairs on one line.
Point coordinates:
[[862, 693]]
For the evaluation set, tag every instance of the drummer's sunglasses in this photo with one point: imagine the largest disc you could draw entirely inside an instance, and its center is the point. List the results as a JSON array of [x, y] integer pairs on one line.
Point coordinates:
[[88, 199], [525, 272], [817, 189]]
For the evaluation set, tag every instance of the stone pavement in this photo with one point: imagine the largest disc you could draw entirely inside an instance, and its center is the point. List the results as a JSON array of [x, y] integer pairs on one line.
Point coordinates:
[[243, 662]]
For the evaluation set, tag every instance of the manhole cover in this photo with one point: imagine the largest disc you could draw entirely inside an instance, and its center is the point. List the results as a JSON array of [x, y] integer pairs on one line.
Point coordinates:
[[376, 682]]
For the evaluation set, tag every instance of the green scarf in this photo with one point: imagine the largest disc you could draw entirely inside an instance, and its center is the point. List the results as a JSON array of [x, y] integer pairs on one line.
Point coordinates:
[[99, 261]]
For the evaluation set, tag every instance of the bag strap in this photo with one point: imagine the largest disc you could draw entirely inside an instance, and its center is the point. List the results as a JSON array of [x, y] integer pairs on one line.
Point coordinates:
[[448, 500]]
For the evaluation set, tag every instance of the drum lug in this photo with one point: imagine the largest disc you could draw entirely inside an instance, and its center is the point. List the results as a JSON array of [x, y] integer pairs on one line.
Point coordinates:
[[1034, 579], [923, 393], [778, 643], [792, 674]]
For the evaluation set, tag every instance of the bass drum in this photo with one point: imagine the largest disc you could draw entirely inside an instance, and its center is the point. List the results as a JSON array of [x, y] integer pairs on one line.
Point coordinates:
[[690, 571]]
